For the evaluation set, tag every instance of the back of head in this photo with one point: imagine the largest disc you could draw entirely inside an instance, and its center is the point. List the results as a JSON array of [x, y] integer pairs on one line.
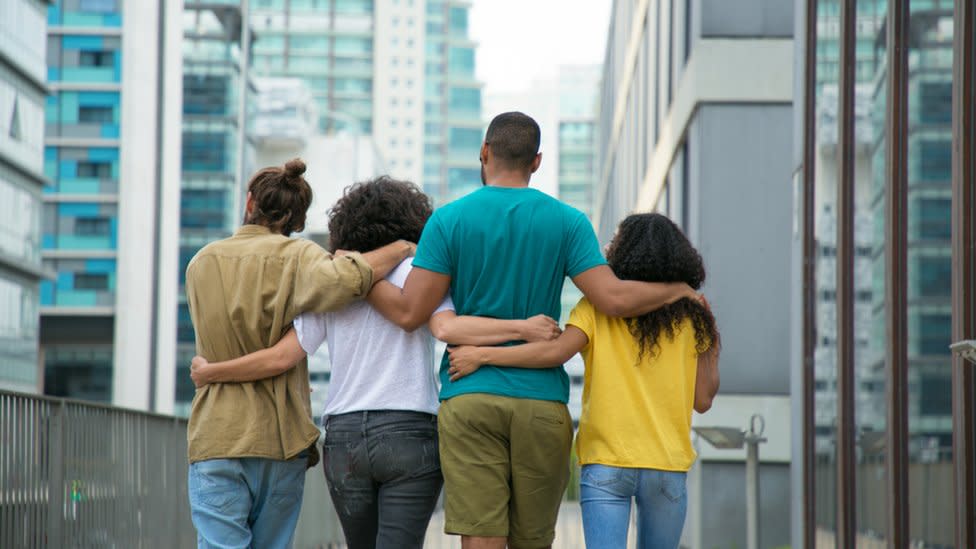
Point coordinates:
[[514, 138], [651, 248], [375, 213], [280, 197]]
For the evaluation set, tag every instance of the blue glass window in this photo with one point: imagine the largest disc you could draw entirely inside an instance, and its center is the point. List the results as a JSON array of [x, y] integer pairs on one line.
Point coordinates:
[[203, 209], [205, 94], [204, 152]]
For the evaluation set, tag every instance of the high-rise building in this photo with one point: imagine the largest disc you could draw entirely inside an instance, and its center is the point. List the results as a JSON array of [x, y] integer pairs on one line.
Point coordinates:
[[857, 422], [578, 87], [401, 71], [695, 122], [110, 207], [22, 91], [452, 103], [217, 152]]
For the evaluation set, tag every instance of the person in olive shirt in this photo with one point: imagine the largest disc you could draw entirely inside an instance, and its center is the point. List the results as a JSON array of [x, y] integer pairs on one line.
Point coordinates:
[[504, 251], [250, 443]]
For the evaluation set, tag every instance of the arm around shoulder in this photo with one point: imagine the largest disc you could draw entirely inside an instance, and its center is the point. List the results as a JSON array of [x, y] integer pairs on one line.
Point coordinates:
[[627, 298]]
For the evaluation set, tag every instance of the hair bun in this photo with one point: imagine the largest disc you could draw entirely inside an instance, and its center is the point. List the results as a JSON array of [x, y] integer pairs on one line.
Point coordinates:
[[294, 168]]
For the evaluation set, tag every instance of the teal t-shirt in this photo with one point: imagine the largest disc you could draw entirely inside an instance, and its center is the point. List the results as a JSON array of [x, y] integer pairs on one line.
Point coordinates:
[[508, 252]]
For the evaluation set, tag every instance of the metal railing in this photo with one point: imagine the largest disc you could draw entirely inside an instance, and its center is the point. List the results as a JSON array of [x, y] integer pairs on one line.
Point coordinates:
[[78, 475], [83, 475]]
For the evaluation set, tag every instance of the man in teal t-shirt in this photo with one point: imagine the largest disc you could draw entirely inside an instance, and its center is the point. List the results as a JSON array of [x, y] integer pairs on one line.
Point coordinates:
[[504, 251]]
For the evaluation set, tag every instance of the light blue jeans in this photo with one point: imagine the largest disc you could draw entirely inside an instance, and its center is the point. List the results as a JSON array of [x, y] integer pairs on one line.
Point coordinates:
[[247, 502], [605, 496]]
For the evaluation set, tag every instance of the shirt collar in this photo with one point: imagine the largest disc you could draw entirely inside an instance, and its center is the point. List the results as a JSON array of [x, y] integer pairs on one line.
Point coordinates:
[[252, 229]]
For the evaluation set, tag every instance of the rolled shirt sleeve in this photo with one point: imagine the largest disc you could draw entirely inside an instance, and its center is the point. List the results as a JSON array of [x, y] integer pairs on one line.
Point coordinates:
[[325, 283]]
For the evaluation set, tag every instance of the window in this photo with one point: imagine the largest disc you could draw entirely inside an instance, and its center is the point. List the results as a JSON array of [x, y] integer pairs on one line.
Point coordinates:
[[935, 102], [98, 6], [96, 115], [91, 281], [101, 58], [15, 131], [100, 170], [933, 395], [92, 226]]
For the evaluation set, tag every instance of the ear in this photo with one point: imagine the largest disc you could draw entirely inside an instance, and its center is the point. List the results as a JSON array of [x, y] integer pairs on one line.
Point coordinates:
[[249, 204], [536, 163], [485, 150]]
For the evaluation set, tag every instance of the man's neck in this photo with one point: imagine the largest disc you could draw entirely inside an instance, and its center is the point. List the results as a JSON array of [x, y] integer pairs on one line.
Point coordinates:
[[508, 179]]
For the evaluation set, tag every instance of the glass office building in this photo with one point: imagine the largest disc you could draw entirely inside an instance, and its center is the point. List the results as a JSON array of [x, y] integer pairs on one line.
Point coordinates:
[[22, 93], [106, 220], [452, 104], [401, 71], [885, 269], [216, 150]]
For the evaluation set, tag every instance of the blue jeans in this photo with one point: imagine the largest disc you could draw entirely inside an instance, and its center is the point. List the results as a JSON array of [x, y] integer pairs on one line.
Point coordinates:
[[384, 476], [605, 495], [246, 502]]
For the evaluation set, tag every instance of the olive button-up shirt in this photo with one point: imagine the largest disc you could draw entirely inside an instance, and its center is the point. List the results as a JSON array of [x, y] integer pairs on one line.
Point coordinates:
[[243, 293]]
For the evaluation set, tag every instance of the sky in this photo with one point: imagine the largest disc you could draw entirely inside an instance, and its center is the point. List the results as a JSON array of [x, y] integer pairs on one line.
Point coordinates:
[[520, 40]]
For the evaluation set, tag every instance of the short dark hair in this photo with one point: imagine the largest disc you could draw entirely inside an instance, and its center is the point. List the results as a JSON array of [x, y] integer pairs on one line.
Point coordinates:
[[514, 138], [374, 213], [280, 197]]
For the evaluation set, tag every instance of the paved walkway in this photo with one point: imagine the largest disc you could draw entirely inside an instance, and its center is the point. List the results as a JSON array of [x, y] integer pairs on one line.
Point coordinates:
[[569, 531]]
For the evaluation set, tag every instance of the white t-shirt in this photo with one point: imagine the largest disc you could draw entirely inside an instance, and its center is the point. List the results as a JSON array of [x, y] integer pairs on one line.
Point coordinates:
[[375, 364]]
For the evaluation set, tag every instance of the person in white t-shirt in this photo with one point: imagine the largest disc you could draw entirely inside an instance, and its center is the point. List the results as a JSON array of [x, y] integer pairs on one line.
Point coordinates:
[[381, 456]]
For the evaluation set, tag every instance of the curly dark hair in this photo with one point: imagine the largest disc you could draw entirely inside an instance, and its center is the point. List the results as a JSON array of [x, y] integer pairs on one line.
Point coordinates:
[[374, 213], [651, 248]]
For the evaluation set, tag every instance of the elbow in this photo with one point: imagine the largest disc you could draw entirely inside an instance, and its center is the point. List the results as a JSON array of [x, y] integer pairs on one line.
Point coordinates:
[[703, 404], [441, 331], [409, 323], [281, 362]]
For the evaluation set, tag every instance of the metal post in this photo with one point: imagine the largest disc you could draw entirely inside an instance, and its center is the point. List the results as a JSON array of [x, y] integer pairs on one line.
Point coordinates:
[[55, 476], [752, 440]]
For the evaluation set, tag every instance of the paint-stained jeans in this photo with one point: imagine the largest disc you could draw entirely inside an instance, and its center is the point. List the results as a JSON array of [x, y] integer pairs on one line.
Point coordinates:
[[384, 475]]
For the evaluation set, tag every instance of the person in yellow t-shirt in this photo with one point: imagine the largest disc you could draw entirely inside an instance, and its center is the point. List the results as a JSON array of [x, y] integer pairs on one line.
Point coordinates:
[[643, 377]]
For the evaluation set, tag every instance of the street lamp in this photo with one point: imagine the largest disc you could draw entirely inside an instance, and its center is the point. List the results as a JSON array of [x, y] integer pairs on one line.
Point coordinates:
[[966, 349], [733, 438]]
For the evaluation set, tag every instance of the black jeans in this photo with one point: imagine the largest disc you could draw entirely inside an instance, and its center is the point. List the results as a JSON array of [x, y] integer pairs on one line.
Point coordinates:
[[384, 475]]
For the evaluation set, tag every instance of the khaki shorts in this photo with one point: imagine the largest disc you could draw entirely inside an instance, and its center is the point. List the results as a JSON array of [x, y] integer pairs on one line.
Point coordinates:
[[506, 464]]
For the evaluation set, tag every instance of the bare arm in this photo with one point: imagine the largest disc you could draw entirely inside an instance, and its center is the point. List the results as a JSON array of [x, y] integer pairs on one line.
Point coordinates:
[[542, 354], [476, 330], [411, 307], [707, 379], [385, 259], [261, 364], [628, 298]]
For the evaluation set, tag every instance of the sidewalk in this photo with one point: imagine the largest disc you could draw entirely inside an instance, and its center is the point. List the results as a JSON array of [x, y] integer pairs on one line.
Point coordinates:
[[569, 531]]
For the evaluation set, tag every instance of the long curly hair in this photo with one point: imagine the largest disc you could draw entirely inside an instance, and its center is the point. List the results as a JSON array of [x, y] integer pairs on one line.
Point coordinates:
[[374, 213], [651, 248]]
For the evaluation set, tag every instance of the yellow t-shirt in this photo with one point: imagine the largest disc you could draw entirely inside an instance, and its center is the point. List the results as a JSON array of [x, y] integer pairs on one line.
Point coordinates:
[[635, 415]]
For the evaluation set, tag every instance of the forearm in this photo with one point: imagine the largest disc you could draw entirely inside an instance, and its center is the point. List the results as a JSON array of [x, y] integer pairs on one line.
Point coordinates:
[[630, 298], [476, 330], [252, 367], [540, 354], [385, 259]]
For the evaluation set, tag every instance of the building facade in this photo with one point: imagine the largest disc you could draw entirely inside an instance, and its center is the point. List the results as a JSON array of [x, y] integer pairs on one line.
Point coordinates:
[[694, 122], [110, 222], [22, 95], [401, 71], [884, 279], [216, 148]]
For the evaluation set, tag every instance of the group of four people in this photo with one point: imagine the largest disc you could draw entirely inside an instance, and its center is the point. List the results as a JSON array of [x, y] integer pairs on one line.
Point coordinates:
[[485, 277]]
